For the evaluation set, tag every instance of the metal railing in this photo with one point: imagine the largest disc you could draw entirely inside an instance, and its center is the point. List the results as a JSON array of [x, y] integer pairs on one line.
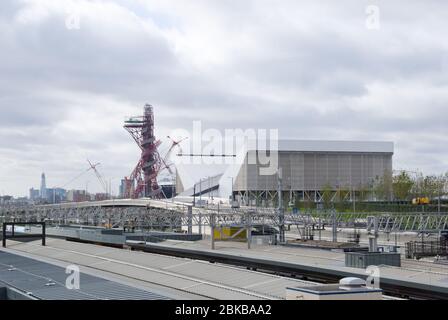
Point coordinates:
[[174, 216]]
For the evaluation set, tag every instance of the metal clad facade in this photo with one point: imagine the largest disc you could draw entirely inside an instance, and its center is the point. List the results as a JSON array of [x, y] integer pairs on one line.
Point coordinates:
[[312, 171]]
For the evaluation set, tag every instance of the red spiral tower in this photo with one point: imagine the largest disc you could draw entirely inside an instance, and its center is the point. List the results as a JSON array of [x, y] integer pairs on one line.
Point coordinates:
[[143, 180]]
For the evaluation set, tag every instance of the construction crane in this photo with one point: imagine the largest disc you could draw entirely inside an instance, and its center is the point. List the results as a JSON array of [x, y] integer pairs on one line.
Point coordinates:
[[174, 143], [164, 164], [76, 178], [98, 175]]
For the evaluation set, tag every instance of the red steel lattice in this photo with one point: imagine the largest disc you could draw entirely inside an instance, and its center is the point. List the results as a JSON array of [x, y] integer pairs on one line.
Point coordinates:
[[143, 179]]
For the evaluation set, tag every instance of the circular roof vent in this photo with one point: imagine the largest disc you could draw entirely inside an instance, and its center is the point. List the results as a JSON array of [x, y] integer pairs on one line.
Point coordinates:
[[351, 283]]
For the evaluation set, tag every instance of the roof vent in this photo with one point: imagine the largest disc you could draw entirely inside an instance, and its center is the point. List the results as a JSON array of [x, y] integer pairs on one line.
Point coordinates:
[[50, 283], [351, 283]]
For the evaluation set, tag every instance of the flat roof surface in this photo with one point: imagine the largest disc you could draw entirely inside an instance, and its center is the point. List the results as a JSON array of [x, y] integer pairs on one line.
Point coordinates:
[[203, 279], [423, 274], [47, 282], [330, 146]]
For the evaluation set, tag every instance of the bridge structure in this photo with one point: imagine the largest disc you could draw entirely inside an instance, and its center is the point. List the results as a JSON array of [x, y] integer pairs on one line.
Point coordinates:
[[148, 214]]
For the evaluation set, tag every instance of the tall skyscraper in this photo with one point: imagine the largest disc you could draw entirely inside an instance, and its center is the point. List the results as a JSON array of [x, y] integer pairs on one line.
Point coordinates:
[[34, 194], [43, 187]]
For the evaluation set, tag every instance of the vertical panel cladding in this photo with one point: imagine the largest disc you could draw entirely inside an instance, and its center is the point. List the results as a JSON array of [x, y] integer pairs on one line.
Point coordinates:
[[321, 170], [257, 181], [378, 166], [266, 182], [356, 170], [252, 176], [290, 173], [254, 180], [333, 169], [309, 171], [297, 170], [284, 162], [387, 163], [375, 166], [344, 171], [368, 169], [240, 183]]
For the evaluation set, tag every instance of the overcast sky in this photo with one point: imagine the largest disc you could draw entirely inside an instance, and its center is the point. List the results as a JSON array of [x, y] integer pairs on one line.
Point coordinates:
[[70, 71]]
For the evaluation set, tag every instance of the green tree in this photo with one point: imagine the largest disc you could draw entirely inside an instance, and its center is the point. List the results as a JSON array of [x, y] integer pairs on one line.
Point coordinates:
[[445, 184], [428, 186], [402, 185], [363, 193], [383, 186], [431, 186]]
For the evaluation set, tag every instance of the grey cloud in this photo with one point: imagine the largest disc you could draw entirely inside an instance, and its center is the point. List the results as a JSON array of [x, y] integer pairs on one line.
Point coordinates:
[[301, 66]]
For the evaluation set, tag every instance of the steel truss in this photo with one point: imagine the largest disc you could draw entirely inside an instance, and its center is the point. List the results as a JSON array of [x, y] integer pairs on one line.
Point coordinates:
[[185, 216], [269, 197]]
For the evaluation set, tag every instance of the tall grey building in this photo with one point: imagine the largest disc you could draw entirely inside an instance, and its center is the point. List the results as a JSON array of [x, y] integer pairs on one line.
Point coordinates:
[[43, 187], [34, 194]]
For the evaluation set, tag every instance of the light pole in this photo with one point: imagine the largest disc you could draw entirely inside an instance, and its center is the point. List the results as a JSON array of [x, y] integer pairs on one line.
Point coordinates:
[[173, 188], [281, 213], [194, 195], [209, 187], [200, 191], [233, 197], [110, 187]]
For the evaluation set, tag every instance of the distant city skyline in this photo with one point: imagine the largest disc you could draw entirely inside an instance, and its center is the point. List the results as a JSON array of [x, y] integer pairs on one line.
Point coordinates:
[[57, 194]]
